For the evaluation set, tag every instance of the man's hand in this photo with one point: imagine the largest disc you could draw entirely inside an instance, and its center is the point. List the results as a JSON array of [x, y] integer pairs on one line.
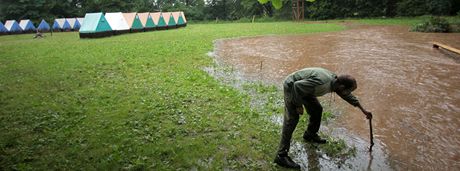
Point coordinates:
[[299, 110], [368, 114]]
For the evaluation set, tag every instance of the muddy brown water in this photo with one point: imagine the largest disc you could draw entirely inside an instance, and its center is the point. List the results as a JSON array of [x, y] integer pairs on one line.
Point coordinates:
[[412, 89]]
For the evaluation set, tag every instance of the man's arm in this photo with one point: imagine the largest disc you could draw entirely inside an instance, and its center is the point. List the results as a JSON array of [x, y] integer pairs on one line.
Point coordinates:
[[365, 112], [350, 98]]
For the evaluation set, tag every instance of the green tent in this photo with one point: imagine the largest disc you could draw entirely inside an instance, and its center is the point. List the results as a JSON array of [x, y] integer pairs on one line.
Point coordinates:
[[158, 20], [133, 21], [183, 17], [147, 21], [169, 19], [178, 19], [95, 25]]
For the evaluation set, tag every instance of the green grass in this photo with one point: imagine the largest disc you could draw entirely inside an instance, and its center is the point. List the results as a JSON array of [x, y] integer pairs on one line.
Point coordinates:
[[391, 21], [135, 101]]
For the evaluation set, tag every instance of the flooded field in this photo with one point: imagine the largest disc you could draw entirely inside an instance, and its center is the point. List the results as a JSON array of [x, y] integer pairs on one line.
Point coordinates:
[[411, 88]]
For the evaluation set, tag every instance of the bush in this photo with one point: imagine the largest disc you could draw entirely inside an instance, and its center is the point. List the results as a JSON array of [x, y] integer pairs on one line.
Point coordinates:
[[433, 24]]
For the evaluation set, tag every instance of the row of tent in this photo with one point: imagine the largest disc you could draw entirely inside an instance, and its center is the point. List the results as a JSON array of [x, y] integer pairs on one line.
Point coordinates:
[[27, 26], [114, 23], [67, 24]]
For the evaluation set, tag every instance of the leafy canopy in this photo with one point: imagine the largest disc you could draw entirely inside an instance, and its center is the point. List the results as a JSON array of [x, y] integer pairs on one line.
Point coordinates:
[[278, 3]]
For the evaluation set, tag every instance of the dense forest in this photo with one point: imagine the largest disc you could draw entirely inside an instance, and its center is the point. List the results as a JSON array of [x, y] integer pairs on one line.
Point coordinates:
[[227, 9]]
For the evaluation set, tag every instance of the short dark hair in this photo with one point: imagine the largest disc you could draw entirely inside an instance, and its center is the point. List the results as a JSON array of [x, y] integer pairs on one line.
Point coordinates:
[[348, 81]]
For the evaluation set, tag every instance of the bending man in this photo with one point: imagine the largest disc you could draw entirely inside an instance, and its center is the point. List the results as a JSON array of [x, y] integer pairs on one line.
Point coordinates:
[[301, 89]]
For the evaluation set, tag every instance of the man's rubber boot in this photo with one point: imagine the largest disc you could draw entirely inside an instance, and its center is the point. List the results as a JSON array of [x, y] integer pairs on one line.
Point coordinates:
[[313, 138], [286, 161]]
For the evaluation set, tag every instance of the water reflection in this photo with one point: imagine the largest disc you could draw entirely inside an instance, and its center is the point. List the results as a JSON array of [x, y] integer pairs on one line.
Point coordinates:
[[313, 157]]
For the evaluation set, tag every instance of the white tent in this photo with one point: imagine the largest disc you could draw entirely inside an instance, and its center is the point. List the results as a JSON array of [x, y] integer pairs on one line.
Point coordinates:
[[80, 20], [27, 25], [61, 22], [71, 22], [117, 22], [12, 26]]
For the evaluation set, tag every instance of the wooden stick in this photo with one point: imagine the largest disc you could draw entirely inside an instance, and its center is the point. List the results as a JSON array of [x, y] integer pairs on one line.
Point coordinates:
[[371, 135], [439, 45]]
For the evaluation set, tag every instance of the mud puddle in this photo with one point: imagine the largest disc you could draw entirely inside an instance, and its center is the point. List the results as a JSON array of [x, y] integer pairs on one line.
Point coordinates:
[[412, 89]]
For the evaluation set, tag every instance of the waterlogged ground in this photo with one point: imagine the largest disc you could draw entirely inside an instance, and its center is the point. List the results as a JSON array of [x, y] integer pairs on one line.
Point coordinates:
[[411, 88], [344, 151]]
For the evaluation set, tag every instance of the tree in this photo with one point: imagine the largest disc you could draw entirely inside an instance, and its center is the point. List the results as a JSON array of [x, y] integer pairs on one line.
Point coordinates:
[[39, 9], [423, 7], [144, 6], [251, 8]]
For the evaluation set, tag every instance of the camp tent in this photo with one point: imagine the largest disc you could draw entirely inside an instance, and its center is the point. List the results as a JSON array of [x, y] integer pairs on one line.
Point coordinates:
[[178, 18], [56, 26], [133, 21], [43, 26], [61, 24], [117, 22], [183, 17], [71, 22], [3, 30], [158, 20], [13, 27], [95, 25], [80, 20], [146, 21], [65, 26], [77, 25], [169, 20], [27, 26]]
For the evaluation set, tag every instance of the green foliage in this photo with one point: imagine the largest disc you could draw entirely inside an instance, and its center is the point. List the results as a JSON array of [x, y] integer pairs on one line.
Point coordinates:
[[134, 101], [329, 9], [227, 9], [276, 3], [433, 24], [37, 9], [424, 7]]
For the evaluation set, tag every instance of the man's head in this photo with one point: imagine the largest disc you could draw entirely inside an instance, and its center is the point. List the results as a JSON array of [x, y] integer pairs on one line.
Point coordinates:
[[345, 84]]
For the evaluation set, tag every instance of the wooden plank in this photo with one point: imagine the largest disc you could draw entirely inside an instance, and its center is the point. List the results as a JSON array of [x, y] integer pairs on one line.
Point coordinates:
[[440, 45]]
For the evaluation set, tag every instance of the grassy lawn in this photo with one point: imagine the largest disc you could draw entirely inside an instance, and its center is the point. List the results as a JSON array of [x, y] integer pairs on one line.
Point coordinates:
[[135, 101]]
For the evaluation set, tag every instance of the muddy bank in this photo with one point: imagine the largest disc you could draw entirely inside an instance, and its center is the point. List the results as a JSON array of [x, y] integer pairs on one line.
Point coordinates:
[[411, 88]]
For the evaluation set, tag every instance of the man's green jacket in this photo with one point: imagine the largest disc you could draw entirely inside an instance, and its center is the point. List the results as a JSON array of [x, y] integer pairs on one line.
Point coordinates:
[[314, 82]]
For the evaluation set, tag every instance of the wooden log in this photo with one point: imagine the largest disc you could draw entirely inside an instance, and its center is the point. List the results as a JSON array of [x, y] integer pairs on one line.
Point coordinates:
[[440, 45]]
